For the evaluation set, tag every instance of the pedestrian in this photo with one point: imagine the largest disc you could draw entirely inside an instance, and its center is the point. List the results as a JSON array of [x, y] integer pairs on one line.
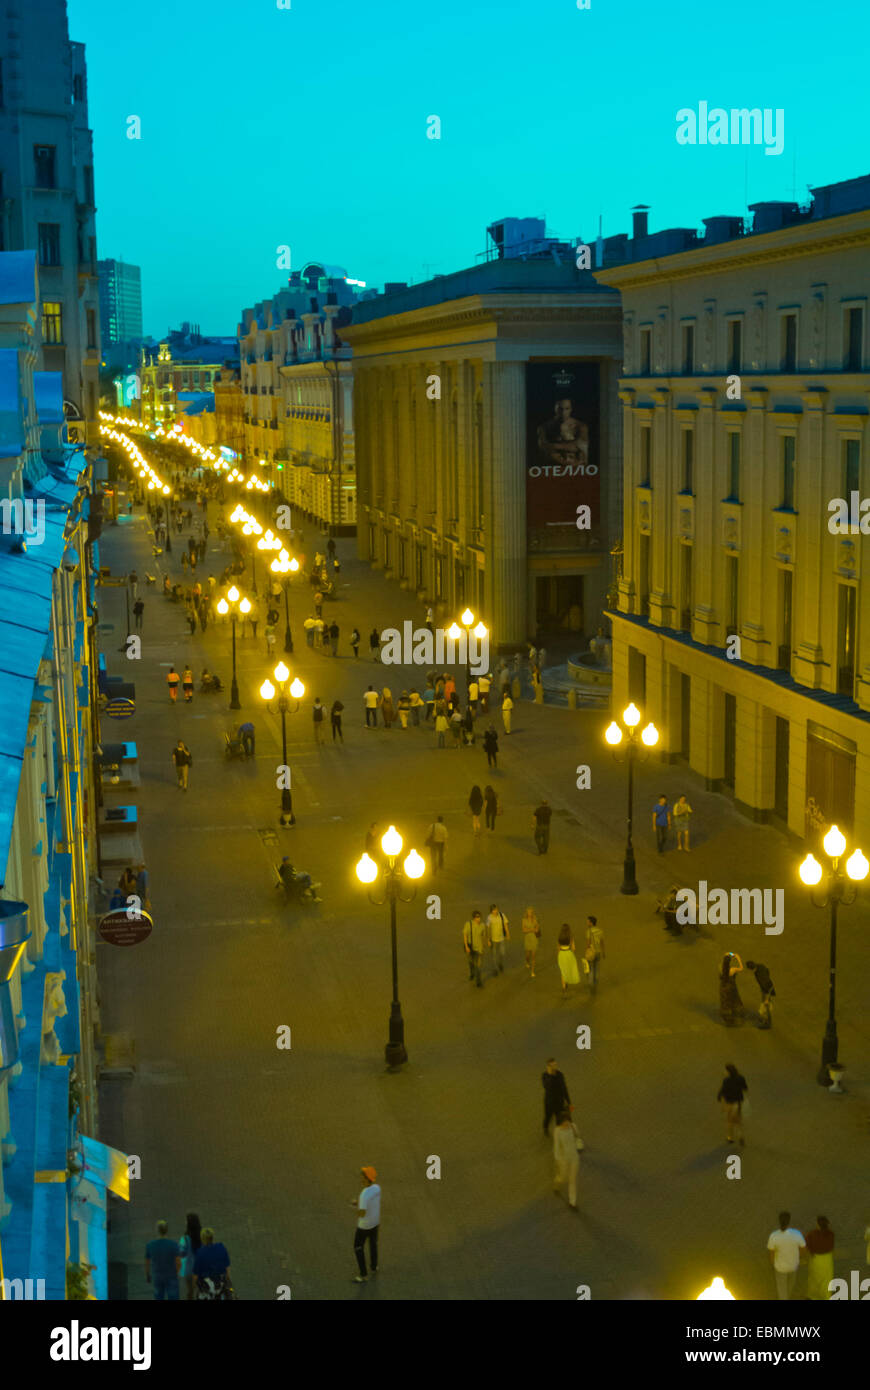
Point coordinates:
[[375, 644], [333, 637], [449, 688], [134, 583], [467, 724], [661, 822], [415, 704], [441, 728], [182, 759], [372, 846], [820, 1261], [556, 1098], [162, 1263], [270, 638], [187, 1248], [143, 887], [475, 940], [455, 722], [335, 720], [187, 684], [370, 700], [473, 694], [567, 959], [681, 813], [330, 546], [387, 710], [533, 656], [318, 604], [765, 984], [212, 1260], [185, 559], [248, 738], [191, 619], [354, 642], [483, 684], [490, 801], [507, 705], [498, 932], [565, 1141], [320, 636], [531, 935], [542, 658], [594, 950], [368, 1221], [430, 619], [541, 821], [172, 682], [730, 1003], [317, 715], [254, 618], [490, 744], [308, 625], [436, 840], [403, 707], [475, 806], [138, 610], [730, 1095], [786, 1249], [429, 700], [204, 610]]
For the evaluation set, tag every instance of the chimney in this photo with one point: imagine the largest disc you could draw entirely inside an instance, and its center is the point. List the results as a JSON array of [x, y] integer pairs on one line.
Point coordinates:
[[639, 221]]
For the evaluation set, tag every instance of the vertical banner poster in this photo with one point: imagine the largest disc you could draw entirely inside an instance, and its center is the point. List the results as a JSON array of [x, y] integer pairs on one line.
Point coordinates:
[[562, 453]]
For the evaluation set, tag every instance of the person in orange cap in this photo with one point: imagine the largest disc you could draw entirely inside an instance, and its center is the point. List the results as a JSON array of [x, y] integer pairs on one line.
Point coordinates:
[[368, 1220]]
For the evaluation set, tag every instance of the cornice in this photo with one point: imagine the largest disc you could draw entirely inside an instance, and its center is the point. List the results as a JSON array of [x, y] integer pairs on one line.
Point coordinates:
[[497, 310]]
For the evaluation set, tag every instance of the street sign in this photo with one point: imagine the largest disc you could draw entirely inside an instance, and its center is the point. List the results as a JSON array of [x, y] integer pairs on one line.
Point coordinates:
[[120, 708], [118, 928]]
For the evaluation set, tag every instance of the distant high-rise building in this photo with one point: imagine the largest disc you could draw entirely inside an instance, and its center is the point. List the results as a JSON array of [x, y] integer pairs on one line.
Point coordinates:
[[47, 195], [120, 302]]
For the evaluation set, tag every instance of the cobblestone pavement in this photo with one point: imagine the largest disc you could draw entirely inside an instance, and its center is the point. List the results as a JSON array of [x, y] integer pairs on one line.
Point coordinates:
[[267, 1144]]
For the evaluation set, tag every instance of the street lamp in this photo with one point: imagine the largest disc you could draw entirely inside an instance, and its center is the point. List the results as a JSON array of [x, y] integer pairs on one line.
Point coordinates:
[[718, 1291], [481, 632], [837, 891], [267, 693], [395, 889], [283, 565], [634, 748], [229, 605]]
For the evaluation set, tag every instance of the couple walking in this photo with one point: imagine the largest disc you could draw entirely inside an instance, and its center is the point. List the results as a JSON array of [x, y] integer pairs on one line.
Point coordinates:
[[593, 955], [479, 936]]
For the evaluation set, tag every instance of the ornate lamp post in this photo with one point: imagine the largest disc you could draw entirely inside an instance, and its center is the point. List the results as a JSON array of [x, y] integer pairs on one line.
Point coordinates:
[[837, 891], [228, 605], [481, 631], [267, 693], [395, 887], [286, 567], [634, 748]]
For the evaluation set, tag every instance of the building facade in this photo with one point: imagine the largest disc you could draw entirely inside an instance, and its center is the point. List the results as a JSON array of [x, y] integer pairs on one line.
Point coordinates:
[[189, 363], [120, 302], [743, 620], [50, 1210], [488, 437], [48, 199], [298, 395]]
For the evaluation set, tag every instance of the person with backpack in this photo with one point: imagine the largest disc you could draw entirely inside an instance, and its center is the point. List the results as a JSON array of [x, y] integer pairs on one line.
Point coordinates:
[[187, 684], [182, 759]]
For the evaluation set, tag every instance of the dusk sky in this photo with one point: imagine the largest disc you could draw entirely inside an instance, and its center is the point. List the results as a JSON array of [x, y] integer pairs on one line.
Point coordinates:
[[307, 127]]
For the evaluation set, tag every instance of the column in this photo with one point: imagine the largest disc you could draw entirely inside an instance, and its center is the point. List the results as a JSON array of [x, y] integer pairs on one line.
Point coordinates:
[[505, 473], [755, 759]]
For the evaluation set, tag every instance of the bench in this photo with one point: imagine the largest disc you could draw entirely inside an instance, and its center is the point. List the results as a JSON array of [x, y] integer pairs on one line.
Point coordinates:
[[117, 819]]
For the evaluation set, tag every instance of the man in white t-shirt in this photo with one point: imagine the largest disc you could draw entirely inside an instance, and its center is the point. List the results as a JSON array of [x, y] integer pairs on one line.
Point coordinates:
[[369, 1214], [370, 699], [786, 1248]]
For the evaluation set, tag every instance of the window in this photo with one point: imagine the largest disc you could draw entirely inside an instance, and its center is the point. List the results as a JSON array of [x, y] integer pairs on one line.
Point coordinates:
[[88, 172], [78, 87], [846, 641], [645, 350], [734, 466], [645, 455], [48, 237], [854, 345], [43, 166], [688, 349], [643, 585], [851, 467], [789, 343], [52, 322], [688, 458], [735, 345], [686, 601], [732, 564], [787, 503], [91, 315], [783, 658]]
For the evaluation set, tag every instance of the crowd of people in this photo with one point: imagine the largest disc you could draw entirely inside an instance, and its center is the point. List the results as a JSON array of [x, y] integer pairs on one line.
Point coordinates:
[[485, 941], [195, 1263]]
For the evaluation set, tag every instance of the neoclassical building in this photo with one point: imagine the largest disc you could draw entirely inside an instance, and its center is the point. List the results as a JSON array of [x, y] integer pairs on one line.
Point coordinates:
[[743, 620], [486, 414]]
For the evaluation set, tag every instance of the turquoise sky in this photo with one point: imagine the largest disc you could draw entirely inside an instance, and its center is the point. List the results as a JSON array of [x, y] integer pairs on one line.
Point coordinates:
[[307, 127]]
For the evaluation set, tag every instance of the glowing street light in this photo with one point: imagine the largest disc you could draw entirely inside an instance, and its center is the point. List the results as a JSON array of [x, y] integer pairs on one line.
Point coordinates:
[[267, 693], [399, 885], [634, 748]]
